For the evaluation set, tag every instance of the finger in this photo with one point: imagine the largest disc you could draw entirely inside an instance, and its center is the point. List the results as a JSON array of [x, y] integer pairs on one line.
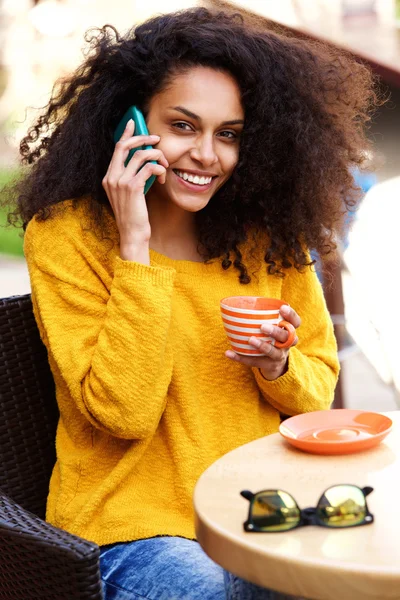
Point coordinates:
[[136, 141], [259, 362], [249, 361], [148, 170], [140, 158], [127, 134], [289, 314], [278, 333], [129, 130], [121, 151], [266, 348]]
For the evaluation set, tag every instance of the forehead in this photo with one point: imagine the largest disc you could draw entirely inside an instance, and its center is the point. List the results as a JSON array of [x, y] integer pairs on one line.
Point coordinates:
[[203, 91]]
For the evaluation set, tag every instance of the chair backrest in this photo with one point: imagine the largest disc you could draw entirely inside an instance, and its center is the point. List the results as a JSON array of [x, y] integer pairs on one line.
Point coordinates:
[[28, 408]]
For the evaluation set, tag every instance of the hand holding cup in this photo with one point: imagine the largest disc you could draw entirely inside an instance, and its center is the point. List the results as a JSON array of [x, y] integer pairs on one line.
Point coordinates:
[[261, 332]]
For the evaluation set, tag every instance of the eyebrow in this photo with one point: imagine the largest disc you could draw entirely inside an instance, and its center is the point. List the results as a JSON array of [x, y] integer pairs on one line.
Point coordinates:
[[192, 115]]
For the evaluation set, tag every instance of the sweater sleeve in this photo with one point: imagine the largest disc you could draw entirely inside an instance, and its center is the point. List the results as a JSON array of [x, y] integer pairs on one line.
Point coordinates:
[[313, 365], [108, 345]]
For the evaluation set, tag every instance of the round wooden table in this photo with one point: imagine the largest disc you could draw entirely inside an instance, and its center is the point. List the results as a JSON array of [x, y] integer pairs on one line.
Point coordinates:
[[358, 563]]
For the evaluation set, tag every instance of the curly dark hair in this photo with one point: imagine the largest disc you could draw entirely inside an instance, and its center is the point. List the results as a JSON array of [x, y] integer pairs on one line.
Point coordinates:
[[306, 108]]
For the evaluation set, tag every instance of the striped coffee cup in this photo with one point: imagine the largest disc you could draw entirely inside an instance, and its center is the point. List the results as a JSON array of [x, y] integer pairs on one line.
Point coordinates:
[[243, 316]]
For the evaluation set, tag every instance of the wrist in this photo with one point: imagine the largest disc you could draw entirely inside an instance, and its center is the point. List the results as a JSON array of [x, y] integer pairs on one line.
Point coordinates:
[[135, 250], [266, 373]]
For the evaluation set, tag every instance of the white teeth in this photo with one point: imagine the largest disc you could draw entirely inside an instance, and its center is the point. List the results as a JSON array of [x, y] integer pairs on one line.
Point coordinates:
[[194, 178]]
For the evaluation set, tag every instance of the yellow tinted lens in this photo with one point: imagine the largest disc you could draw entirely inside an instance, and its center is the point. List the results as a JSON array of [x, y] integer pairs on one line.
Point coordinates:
[[342, 506], [274, 510]]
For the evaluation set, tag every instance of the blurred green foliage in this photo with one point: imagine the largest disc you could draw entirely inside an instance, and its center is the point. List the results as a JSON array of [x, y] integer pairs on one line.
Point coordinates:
[[10, 237]]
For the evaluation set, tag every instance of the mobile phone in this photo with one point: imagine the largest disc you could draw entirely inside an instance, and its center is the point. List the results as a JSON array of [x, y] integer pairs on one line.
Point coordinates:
[[140, 129]]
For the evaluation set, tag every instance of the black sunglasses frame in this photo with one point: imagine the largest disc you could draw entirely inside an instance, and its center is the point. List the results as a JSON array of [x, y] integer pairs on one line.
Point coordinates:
[[308, 516]]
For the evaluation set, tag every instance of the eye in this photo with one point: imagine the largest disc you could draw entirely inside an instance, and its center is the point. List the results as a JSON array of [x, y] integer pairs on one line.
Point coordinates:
[[182, 125], [230, 135]]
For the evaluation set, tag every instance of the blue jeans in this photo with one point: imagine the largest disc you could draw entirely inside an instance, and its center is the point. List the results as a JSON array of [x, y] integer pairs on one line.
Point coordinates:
[[171, 568]]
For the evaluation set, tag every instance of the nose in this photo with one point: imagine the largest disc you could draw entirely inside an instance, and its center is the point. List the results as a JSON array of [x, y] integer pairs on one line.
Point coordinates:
[[204, 151]]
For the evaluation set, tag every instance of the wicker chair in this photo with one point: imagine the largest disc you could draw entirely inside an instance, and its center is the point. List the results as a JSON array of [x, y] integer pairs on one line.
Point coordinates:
[[37, 561]]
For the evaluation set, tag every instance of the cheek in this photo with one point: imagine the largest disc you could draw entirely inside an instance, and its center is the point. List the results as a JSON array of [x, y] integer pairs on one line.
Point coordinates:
[[172, 148], [229, 159]]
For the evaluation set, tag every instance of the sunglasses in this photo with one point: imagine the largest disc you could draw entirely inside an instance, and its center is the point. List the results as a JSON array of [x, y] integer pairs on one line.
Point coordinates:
[[339, 506]]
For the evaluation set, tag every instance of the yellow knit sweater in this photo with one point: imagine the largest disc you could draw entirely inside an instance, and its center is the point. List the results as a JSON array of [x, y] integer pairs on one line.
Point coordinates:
[[147, 398]]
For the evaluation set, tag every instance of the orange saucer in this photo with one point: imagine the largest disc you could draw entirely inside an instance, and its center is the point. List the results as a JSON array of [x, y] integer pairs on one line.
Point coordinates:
[[338, 431]]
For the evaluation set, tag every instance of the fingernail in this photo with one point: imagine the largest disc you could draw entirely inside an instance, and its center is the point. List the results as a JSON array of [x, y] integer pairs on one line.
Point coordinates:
[[129, 123], [255, 342], [153, 135], [266, 329], [285, 308], [230, 354]]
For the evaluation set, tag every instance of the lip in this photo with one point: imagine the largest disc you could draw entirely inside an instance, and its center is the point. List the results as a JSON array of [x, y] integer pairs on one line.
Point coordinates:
[[193, 187]]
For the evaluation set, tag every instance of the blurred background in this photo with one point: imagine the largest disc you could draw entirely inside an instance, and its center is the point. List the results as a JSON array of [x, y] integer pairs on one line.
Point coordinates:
[[43, 40]]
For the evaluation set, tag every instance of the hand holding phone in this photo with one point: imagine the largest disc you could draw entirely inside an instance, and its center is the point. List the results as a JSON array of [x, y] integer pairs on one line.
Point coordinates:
[[126, 181], [140, 129]]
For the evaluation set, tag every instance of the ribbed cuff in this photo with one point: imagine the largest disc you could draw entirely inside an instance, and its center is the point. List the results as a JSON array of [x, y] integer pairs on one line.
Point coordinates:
[[280, 385], [155, 275]]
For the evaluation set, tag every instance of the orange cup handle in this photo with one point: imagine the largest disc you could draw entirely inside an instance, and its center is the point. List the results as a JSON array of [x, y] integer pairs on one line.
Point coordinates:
[[292, 334]]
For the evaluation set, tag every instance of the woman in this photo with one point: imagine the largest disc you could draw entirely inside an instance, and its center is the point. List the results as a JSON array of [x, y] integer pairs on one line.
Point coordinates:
[[253, 135]]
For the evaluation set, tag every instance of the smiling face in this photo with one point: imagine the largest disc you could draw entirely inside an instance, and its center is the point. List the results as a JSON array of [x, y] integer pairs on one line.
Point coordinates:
[[199, 117]]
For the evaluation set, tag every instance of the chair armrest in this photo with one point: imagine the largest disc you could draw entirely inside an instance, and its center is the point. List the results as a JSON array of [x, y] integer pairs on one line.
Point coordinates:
[[41, 562]]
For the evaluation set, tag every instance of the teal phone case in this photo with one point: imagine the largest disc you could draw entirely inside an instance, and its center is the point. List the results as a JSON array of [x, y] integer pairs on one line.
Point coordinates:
[[140, 129]]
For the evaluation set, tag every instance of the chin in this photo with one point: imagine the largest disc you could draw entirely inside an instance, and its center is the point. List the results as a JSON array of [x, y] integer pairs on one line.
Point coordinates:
[[190, 202], [187, 201], [191, 205]]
